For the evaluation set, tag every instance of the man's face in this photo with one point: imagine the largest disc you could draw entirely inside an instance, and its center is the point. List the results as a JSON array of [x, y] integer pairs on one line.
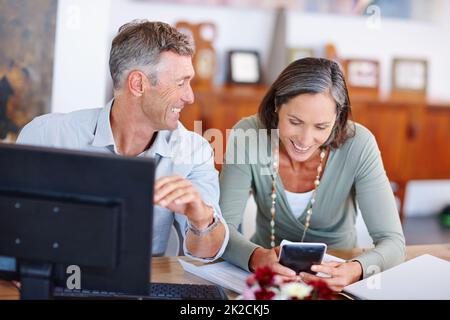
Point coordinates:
[[164, 101]]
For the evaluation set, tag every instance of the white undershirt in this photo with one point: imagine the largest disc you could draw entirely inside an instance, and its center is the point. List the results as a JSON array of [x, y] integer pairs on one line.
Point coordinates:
[[298, 201]]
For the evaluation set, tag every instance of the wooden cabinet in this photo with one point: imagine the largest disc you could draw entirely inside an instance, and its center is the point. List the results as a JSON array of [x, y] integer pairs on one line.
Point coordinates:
[[430, 152], [413, 135], [222, 107], [397, 127]]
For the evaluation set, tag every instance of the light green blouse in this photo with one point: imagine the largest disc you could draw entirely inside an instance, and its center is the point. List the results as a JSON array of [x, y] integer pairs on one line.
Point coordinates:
[[354, 176]]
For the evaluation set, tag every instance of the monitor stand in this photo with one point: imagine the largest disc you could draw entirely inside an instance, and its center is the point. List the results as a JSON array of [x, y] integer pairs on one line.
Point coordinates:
[[35, 281]]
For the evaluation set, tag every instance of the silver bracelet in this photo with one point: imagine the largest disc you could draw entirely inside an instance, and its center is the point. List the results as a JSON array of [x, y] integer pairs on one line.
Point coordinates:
[[208, 229]]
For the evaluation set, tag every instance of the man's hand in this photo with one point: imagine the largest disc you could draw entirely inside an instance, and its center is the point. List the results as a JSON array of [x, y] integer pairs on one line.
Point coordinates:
[[341, 274], [179, 195]]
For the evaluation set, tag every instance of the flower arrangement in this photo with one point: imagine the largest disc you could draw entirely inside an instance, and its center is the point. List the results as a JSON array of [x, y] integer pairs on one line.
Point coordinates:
[[264, 284]]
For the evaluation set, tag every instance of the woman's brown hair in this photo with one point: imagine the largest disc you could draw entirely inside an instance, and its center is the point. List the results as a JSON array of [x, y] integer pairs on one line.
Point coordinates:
[[310, 75]]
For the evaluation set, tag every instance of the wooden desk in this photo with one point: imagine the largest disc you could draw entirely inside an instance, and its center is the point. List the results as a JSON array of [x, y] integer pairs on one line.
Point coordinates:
[[168, 270]]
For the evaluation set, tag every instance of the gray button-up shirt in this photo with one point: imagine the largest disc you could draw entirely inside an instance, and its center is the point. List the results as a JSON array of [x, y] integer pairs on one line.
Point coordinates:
[[179, 152]]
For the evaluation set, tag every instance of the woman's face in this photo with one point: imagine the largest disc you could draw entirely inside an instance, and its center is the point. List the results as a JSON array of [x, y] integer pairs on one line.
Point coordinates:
[[305, 122]]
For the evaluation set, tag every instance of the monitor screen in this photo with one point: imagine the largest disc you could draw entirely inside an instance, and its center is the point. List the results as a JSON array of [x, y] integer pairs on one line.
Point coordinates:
[[61, 208], [8, 264]]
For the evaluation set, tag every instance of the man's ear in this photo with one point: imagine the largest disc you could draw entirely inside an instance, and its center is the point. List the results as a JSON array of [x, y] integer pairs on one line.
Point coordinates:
[[136, 82]]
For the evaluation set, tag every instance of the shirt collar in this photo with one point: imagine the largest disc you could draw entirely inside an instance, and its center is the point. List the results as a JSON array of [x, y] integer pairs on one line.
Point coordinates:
[[103, 136], [162, 144]]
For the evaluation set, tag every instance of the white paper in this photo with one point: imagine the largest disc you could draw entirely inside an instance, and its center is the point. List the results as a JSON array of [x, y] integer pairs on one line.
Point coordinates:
[[328, 258], [222, 273], [422, 278]]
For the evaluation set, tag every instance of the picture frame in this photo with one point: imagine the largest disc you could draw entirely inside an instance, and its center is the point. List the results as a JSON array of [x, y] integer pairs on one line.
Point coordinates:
[[244, 67], [362, 73], [205, 57], [409, 75], [31, 72], [299, 53]]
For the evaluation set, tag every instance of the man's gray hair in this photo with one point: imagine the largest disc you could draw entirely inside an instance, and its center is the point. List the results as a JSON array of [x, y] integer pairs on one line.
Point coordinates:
[[138, 46]]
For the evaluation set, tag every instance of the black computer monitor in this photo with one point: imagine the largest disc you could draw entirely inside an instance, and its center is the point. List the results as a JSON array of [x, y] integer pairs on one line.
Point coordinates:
[[61, 208]]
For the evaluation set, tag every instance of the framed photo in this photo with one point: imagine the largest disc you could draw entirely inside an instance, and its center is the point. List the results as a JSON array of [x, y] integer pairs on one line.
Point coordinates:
[[26, 67], [299, 53], [409, 75], [244, 67], [362, 73]]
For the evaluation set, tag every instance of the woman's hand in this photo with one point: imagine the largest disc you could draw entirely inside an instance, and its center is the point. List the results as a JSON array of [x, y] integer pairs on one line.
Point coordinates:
[[269, 257], [341, 274]]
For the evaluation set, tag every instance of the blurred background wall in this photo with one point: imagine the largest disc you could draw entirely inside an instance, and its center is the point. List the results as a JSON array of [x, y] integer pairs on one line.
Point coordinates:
[[420, 29], [85, 30]]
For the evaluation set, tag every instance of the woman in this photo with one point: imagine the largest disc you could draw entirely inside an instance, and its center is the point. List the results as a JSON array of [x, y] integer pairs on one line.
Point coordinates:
[[309, 178]]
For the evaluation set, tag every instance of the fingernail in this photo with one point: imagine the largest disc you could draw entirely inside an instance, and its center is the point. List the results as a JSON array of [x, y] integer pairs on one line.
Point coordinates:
[[314, 268]]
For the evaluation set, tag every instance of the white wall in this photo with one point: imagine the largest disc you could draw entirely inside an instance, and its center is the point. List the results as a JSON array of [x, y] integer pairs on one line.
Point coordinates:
[[237, 27], [80, 66], [394, 38], [252, 29], [426, 197], [81, 77]]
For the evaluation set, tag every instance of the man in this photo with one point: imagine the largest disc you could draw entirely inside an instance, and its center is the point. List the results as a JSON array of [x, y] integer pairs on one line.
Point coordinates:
[[151, 68]]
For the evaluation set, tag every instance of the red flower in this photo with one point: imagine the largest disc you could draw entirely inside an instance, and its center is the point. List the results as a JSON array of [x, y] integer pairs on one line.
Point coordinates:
[[265, 284], [264, 294], [321, 290], [264, 276]]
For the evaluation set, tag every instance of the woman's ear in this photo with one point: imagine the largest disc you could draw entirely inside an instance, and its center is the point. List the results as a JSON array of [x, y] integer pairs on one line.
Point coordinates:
[[135, 83]]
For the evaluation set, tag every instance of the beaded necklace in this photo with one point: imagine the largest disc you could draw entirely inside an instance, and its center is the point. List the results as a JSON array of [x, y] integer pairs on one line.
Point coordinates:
[[274, 195]]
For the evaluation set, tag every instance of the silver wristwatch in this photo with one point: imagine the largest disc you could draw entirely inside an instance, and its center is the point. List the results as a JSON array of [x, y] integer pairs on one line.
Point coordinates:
[[208, 229]]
